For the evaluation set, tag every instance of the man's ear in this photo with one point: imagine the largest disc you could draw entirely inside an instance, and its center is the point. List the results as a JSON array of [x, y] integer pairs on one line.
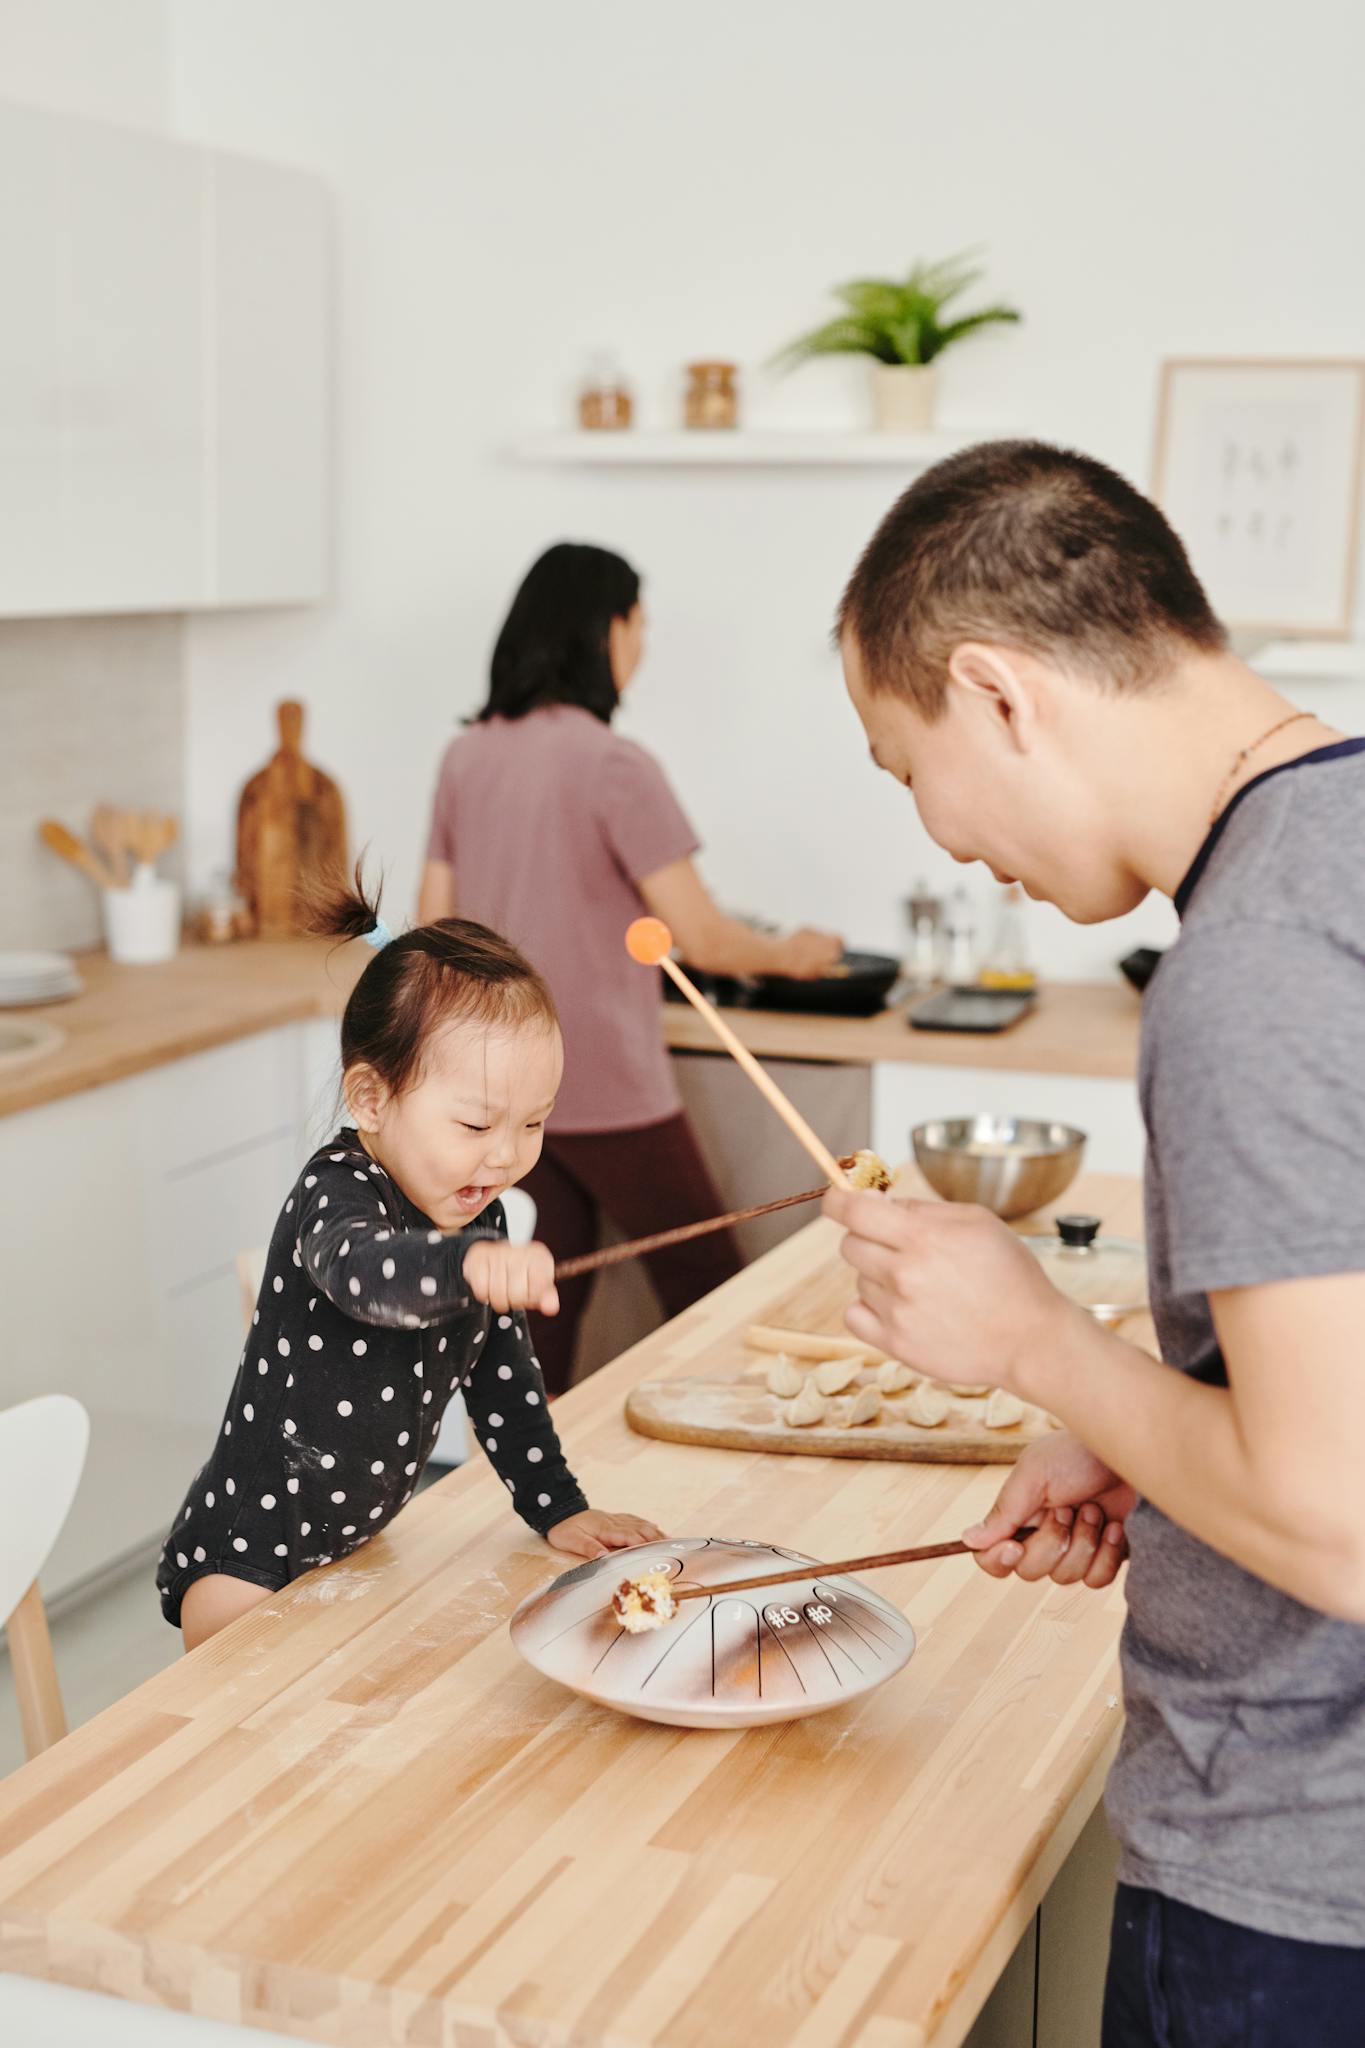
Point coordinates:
[[998, 681], [366, 1097]]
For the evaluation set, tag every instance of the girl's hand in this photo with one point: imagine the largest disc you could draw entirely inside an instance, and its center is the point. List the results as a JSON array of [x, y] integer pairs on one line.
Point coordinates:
[[949, 1289], [594, 1533], [1079, 1508], [512, 1276]]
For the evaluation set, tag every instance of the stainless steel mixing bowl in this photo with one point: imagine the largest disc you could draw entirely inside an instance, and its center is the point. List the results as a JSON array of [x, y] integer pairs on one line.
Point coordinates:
[[1011, 1164]]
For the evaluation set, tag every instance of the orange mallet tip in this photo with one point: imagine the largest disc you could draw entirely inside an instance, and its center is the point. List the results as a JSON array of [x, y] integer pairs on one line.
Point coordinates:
[[649, 941]]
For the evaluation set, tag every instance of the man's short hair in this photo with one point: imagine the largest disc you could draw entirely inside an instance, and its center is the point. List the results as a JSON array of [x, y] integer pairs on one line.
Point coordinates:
[[1027, 546]]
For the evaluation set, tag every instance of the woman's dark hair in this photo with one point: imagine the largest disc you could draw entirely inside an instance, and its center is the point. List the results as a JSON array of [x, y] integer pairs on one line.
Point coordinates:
[[426, 978], [553, 647]]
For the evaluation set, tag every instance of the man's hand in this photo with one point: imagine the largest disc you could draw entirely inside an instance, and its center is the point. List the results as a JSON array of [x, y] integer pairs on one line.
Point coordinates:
[[594, 1533], [1078, 1507], [511, 1276], [948, 1289]]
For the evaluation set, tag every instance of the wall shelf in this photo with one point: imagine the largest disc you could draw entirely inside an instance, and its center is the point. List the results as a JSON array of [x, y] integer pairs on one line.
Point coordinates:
[[1310, 661], [744, 448]]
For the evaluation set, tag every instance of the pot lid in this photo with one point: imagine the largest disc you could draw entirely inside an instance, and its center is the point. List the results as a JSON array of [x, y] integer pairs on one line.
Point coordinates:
[[1107, 1275]]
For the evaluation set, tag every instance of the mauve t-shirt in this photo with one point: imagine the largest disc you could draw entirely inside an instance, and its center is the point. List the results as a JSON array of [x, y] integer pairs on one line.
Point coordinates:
[[551, 822]]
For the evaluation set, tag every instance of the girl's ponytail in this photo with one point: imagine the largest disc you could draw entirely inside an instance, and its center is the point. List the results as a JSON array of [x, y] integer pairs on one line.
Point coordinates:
[[334, 908]]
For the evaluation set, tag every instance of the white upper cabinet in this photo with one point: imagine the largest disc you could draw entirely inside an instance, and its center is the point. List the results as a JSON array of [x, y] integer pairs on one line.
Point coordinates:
[[133, 349], [269, 239], [163, 373], [31, 265]]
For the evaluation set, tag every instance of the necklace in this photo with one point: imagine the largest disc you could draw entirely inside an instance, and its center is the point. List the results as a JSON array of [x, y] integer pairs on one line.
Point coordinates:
[[1245, 754]]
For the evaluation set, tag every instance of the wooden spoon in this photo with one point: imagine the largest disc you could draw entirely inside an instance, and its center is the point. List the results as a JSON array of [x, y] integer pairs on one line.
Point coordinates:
[[63, 841], [108, 829]]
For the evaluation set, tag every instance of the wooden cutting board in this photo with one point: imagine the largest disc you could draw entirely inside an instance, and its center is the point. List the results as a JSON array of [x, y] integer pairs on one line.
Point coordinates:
[[291, 832], [741, 1415], [729, 1407]]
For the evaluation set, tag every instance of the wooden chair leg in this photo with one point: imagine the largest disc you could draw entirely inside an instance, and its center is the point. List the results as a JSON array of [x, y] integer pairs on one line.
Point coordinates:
[[41, 1714]]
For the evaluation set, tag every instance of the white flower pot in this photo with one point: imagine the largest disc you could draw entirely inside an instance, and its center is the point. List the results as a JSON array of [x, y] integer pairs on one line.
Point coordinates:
[[903, 396]]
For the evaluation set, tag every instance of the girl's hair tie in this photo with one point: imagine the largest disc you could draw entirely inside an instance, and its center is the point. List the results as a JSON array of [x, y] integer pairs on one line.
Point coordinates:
[[380, 937]]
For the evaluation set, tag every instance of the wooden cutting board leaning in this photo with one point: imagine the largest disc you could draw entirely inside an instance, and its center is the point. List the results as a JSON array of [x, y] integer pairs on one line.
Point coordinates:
[[291, 832]]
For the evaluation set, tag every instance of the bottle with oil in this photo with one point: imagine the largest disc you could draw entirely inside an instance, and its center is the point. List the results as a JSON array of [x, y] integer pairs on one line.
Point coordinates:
[[1005, 963]]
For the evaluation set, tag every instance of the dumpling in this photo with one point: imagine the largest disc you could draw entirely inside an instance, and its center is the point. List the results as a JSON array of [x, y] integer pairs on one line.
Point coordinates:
[[1004, 1410], [836, 1374], [927, 1406], [968, 1389], [865, 1406], [808, 1407], [784, 1378], [894, 1378]]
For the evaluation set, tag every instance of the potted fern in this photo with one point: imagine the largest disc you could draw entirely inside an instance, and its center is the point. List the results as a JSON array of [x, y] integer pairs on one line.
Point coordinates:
[[899, 324]]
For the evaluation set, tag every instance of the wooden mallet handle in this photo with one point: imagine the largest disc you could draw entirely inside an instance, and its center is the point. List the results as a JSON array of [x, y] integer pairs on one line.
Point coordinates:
[[650, 942], [921, 1555], [681, 1233]]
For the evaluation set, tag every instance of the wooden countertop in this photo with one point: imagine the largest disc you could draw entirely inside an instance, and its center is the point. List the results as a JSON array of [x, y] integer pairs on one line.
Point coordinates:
[[133, 1018], [1078, 1027], [356, 1816]]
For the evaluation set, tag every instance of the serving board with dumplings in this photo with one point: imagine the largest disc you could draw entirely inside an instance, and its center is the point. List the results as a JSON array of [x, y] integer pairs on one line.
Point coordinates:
[[799, 1384]]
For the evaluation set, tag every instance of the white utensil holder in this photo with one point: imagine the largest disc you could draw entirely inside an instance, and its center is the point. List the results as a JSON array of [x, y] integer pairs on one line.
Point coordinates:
[[142, 922]]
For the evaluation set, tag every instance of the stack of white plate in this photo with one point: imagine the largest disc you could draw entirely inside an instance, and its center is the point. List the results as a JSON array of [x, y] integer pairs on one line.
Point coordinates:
[[36, 978]]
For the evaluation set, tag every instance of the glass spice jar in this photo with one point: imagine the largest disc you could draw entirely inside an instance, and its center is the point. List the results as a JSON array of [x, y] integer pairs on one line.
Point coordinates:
[[605, 403], [711, 399]]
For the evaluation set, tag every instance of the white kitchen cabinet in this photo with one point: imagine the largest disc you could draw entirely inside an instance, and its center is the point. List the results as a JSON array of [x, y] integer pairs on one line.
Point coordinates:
[[904, 1095], [30, 368], [133, 348], [117, 1269], [164, 373], [268, 238]]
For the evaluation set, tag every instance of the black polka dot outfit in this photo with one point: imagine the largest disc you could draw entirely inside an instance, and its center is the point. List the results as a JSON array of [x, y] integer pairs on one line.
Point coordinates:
[[363, 1330]]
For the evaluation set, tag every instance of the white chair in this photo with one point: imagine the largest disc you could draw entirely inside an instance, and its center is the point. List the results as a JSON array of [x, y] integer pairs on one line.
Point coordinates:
[[42, 1455]]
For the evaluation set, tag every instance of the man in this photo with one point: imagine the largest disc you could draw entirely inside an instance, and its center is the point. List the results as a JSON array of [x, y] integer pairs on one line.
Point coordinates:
[[1031, 654]]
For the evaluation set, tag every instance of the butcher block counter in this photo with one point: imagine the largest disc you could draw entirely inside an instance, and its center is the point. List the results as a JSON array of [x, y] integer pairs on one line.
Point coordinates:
[[357, 1817], [132, 1018]]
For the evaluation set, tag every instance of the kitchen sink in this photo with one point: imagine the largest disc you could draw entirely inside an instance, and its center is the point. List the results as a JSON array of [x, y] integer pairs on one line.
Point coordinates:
[[23, 1039]]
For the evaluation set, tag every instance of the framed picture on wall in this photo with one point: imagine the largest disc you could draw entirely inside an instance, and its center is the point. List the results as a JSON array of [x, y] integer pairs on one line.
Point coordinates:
[[1259, 470]]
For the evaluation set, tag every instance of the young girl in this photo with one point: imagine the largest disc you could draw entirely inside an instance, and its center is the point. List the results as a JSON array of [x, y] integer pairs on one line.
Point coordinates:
[[390, 1284]]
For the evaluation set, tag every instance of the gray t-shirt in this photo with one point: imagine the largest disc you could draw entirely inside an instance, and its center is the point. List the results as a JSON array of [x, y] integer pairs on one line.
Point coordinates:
[[1240, 1785]]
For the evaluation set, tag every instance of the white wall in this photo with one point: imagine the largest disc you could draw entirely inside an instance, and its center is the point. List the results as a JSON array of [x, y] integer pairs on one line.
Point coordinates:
[[103, 58], [519, 184]]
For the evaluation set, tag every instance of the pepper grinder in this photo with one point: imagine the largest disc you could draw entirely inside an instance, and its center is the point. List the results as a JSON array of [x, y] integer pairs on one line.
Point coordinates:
[[960, 934]]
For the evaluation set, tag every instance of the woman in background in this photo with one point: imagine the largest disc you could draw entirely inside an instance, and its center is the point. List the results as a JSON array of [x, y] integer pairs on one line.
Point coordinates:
[[557, 832]]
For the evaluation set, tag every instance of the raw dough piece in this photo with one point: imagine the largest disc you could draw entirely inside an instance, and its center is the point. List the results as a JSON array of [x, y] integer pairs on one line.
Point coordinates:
[[868, 1171], [809, 1344], [836, 1374], [1004, 1410], [927, 1406], [784, 1378], [643, 1603], [865, 1406], [894, 1378], [808, 1407]]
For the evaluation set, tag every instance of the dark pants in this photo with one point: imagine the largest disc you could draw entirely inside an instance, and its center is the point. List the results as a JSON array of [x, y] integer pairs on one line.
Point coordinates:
[[644, 1180], [1179, 1978]]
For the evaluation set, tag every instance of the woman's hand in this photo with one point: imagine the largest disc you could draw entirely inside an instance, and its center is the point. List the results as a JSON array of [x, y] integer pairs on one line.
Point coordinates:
[[512, 1276], [594, 1533], [950, 1290], [806, 954], [1078, 1507]]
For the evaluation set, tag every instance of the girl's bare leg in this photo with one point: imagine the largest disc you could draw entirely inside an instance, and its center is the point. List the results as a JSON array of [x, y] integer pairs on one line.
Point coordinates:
[[212, 1602]]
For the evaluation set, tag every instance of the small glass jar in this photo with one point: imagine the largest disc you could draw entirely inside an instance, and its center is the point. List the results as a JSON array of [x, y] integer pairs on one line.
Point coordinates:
[[711, 399], [605, 401]]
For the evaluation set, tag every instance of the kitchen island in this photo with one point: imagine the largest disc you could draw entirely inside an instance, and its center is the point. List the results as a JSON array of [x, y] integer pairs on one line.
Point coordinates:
[[357, 1817]]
